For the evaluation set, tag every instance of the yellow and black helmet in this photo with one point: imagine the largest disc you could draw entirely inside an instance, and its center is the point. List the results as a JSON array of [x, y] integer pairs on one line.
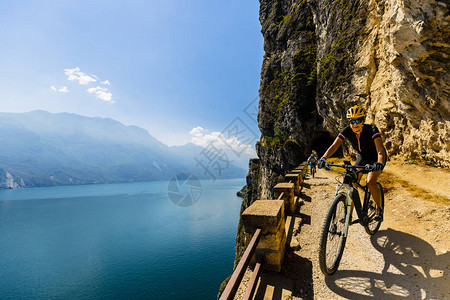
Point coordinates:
[[356, 112]]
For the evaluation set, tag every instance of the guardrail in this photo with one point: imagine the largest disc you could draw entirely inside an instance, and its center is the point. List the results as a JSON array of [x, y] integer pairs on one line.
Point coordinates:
[[235, 280], [238, 273], [271, 213]]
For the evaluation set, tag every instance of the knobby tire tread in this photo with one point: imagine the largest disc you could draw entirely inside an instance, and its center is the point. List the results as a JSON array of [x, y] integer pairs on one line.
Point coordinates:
[[330, 270]]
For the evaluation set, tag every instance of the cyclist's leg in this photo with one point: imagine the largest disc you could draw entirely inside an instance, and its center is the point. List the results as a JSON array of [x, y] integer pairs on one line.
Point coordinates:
[[372, 178], [359, 162], [360, 175]]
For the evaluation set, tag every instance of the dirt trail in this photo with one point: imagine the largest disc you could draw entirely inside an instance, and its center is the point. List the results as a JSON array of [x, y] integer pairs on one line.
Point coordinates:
[[407, 259]]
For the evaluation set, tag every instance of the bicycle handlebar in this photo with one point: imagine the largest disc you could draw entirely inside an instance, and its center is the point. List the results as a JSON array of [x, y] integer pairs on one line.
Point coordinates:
[[365, 169]]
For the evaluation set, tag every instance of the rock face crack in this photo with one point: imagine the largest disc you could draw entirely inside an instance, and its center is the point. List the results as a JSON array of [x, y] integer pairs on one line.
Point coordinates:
[[373, 72]]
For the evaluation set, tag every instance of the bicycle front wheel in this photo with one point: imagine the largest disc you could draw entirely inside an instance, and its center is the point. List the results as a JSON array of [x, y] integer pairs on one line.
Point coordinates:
[[332, 240], [372, 224]]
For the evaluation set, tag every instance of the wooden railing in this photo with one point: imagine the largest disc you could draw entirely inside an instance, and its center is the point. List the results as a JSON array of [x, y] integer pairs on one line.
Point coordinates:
[[238, 273], [236, 278]]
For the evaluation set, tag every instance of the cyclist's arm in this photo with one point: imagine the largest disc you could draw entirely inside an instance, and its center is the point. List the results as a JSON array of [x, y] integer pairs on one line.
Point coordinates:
[[336, 144], [380, 150]]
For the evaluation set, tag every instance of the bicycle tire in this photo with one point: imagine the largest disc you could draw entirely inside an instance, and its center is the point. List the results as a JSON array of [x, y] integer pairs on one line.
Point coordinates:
[[313, 171], [372, 224], [332, 241]]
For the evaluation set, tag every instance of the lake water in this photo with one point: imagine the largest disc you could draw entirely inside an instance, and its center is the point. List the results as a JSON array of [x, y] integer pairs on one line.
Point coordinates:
[[116, 241]]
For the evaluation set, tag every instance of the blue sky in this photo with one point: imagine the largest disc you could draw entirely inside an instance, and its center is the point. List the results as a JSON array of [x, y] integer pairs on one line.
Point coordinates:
[[167, 66]]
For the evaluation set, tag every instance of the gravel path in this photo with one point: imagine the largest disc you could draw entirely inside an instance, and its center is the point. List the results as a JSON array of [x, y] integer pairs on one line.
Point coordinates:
[[407, 259]]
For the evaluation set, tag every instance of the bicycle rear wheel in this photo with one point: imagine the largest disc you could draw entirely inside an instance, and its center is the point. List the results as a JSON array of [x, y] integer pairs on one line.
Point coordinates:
[[372, 224], [332, 240]]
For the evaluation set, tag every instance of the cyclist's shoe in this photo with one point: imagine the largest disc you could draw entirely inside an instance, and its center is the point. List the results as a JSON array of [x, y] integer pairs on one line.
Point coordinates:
[[379, 214]]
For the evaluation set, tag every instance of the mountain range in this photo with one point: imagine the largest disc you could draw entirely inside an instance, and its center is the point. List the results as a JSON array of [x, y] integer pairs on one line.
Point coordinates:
[[39, 148]]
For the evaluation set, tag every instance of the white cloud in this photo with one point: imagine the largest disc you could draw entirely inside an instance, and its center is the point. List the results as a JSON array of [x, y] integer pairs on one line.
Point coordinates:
[[201, 137], [101, 93], [77, 75], [62, 89]]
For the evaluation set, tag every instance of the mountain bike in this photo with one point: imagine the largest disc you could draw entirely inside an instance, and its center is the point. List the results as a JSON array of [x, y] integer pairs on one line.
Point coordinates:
[[339, 215], [313, 169]]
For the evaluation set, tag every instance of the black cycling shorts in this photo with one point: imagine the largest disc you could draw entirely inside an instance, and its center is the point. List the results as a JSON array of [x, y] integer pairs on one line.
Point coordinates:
[[362, 161]]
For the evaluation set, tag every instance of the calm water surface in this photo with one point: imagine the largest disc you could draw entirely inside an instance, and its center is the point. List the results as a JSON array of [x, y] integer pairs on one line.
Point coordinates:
[[116, 241]]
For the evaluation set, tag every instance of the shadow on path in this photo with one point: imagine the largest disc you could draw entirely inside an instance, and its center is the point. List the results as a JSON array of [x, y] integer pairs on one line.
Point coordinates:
[[299, 270], [305, 198], [424, 274], [295, 278]]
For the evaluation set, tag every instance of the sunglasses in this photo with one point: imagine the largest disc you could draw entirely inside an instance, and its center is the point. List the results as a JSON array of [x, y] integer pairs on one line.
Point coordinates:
[[357, 121]]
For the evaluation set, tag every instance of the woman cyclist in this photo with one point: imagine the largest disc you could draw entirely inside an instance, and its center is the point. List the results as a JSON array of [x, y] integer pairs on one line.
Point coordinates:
[[366, 140]]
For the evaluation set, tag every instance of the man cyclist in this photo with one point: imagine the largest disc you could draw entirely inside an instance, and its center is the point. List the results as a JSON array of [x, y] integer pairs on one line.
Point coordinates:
[[366, 140], [312, 161]]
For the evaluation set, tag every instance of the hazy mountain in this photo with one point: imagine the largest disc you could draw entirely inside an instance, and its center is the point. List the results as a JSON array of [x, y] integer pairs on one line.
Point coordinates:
[[43, 149]]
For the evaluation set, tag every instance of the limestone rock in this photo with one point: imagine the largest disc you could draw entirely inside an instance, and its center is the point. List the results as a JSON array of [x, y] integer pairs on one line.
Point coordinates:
[[397, 67]]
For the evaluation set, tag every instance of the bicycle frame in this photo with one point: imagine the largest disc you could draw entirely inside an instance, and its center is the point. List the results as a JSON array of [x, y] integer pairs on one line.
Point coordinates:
[[338, 217], [351, 195]]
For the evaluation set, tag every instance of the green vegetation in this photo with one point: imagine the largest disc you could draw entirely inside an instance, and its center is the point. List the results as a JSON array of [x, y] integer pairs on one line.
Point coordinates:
[[283, 83], [345, 39], [412, 161], [279, 88], [278, 140], [305, 56], [420, 161], [339, 52], [277, 92]]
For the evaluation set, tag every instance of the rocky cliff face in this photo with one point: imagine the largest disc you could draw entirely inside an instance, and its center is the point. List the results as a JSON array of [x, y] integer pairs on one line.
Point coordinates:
[[323, 56], [392, 57]]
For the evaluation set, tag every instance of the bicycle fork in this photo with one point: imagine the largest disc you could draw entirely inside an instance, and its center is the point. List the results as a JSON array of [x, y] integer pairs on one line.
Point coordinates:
[[348, 207], [351, 196]]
